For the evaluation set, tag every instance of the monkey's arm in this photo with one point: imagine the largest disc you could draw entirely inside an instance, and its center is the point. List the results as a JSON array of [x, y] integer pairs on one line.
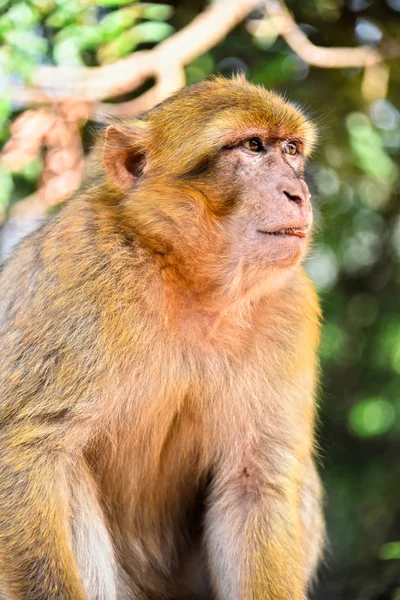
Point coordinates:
[[47, 412], [46, 417], [36, 557], [263, 527], [312, 519], [255, 538]]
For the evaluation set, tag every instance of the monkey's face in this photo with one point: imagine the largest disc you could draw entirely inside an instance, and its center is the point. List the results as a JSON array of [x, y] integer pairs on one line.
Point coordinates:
[[213, 177], [271, 217]]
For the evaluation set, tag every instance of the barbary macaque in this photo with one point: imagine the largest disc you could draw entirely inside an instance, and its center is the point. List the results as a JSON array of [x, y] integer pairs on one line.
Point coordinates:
[[158, 343]]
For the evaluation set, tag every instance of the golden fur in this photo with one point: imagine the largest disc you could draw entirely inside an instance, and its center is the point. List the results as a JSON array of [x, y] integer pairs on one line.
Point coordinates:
[[157, 390]]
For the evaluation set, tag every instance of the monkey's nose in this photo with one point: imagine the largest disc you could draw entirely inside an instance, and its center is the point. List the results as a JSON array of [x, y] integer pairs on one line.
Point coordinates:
[[298, 198], [295, 190]]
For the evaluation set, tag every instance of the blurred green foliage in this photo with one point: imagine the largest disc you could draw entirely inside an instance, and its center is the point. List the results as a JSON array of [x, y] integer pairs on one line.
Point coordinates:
[[72, 33], [356, 262]]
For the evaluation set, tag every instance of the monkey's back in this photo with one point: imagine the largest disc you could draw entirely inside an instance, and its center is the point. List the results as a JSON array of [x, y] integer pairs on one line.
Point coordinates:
[[64, 301]]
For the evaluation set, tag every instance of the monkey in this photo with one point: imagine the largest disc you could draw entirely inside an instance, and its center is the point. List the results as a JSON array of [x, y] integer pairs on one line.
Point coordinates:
[[158, 351]]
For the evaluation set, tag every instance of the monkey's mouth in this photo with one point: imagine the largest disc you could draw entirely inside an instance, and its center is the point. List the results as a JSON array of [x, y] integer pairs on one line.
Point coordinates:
[[292, 231]]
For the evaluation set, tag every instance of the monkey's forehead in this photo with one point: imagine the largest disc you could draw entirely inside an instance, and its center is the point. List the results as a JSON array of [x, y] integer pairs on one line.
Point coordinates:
[[214, 108]]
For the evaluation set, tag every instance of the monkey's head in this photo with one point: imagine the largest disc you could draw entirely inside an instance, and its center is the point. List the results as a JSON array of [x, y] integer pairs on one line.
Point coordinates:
[[216, 173]]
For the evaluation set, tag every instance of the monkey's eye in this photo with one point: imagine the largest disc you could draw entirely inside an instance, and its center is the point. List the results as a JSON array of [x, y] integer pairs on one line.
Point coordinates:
[[290, 148], [253, 144]]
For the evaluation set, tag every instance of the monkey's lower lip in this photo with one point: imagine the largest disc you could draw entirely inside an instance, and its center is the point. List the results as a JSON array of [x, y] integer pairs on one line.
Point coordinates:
[[292, 231]]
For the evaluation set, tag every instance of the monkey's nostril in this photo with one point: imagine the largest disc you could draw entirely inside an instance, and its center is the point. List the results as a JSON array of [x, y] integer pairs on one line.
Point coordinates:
[[293, 197]]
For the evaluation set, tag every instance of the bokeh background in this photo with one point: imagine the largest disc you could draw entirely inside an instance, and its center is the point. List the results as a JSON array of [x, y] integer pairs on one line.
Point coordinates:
[[64, 64]]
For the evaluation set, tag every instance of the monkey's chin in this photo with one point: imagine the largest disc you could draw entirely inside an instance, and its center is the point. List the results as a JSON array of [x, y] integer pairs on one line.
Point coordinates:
[[284, 250]]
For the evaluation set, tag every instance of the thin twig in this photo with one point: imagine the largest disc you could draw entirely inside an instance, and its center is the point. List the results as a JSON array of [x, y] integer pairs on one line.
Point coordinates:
[[336, 58]]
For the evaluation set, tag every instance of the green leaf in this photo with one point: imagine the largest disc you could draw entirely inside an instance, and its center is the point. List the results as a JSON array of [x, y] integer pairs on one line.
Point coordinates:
[[122, 45], [117, 21], [60, 18], [368, 150], [27, 42], [67, 13], [5, 25], [371, 417], [5, 108], [67, 53], [149, 32], [22, 15], [33, 169], [157, 12], [43, 6], [152, 32], [85, 37], [114, 3], [6, 186], [277, 70], [390, 551], [200, 68], [74, 5], [4, 131], [22, 63]]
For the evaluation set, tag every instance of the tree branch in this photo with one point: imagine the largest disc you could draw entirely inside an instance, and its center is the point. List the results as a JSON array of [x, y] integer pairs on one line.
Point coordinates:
[[87, 86], [333, 58], [165, 62]]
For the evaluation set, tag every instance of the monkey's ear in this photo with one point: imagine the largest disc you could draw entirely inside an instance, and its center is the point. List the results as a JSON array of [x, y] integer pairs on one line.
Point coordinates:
[[124, 156]]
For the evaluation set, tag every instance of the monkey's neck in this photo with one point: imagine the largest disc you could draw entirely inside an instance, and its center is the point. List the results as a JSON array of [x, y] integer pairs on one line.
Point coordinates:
[[203, 308]]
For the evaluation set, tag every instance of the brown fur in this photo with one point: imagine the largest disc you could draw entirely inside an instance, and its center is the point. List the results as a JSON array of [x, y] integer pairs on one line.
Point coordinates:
[[158, 369]]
